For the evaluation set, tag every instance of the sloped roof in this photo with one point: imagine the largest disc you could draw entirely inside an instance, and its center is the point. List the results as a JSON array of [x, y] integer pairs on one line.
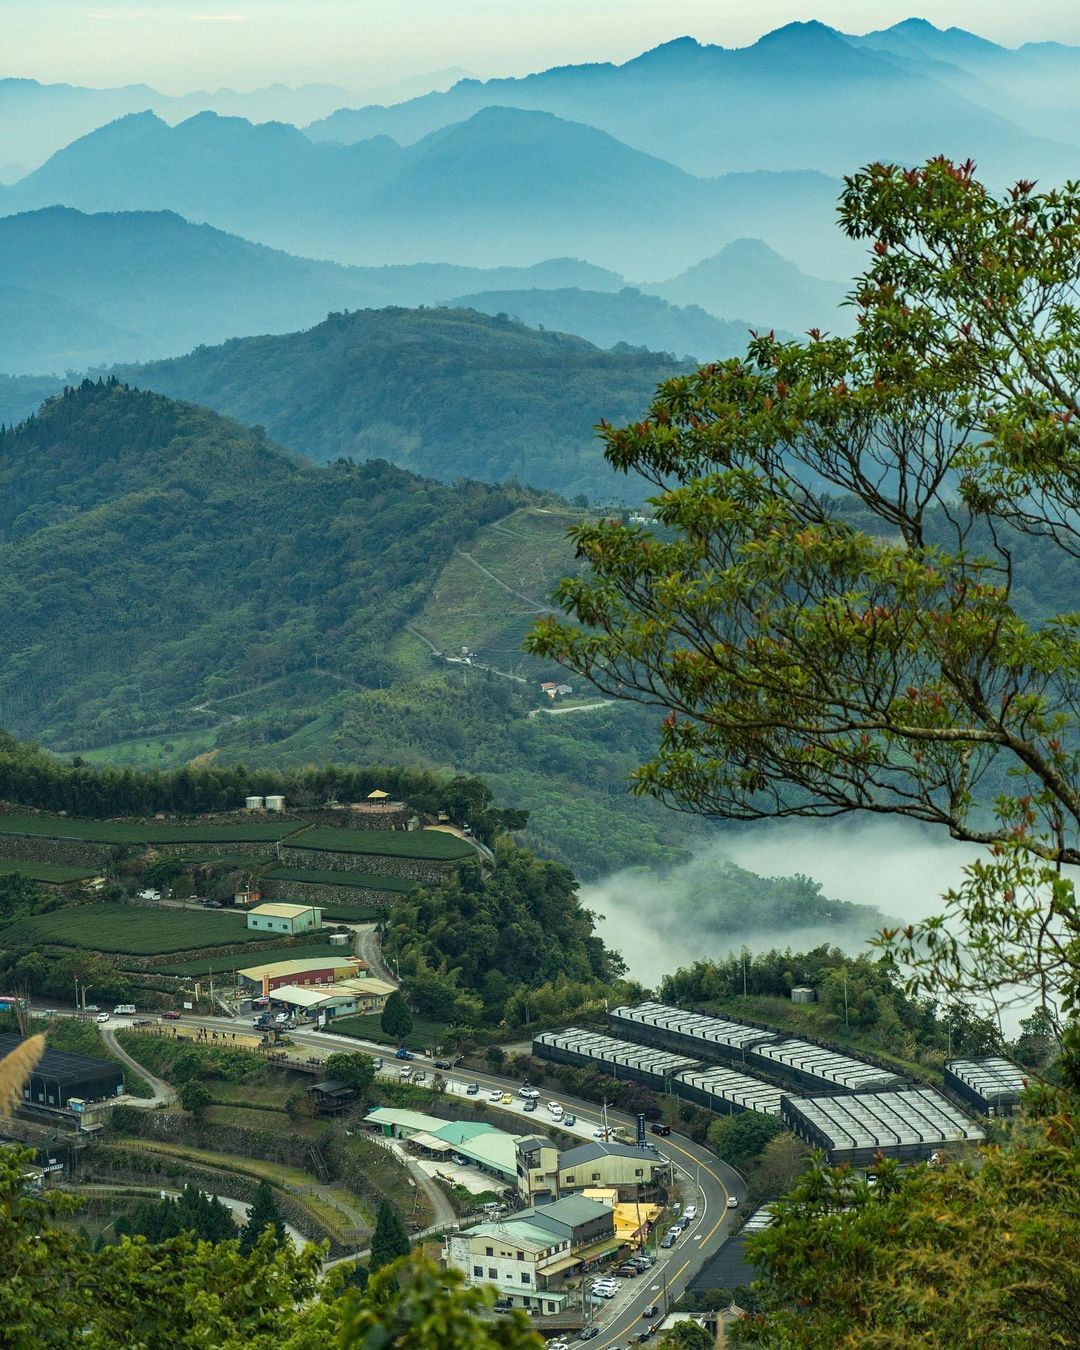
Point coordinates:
[[583, 1153]]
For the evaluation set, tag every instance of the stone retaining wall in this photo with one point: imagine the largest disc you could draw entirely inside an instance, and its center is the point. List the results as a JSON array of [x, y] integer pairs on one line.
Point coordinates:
[[413, 869], [71, 852], [325, 895], [265, 850]]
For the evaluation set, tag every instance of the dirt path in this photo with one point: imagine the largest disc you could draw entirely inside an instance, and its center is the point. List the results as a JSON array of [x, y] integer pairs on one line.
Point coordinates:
[[367, 948], [164, 1095], [537, 606]]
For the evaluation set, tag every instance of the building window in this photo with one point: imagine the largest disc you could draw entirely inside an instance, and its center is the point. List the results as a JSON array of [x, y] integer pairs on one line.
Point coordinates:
[[489, 1251], [596, 1176], [526, 1278], [569, 1181], [493, 1274], [478, 1272], [639, 1171], [521, 1256]]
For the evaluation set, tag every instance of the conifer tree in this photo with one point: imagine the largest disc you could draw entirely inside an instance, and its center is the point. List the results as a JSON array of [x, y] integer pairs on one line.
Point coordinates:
[[264, 1214]]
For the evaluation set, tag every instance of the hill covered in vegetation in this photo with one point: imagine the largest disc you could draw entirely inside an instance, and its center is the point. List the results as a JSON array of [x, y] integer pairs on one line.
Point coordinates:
[[443, 392], [153, 553]]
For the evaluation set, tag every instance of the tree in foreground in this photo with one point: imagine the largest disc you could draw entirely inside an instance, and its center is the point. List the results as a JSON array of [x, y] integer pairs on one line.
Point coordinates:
[[396, 1020], [861, 596], [263, 1214]]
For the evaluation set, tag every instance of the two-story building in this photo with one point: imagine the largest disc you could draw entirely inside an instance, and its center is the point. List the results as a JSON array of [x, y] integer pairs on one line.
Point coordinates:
[[619, 1166], [527, 1255], [537, 1168]]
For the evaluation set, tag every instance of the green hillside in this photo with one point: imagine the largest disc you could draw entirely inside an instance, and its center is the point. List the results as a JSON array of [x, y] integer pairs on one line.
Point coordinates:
[[443, 392], [154, 555]]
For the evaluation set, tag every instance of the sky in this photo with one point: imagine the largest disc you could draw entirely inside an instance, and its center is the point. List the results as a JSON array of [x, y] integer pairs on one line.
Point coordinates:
[[181, 45]]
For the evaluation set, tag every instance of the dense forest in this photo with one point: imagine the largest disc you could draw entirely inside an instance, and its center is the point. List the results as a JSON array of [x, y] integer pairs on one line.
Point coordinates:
[[478, 947], [154, 553], [443, 392]]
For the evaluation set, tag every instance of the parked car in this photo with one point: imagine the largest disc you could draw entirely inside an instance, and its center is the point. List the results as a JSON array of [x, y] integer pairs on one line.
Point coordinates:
[[506, 1099], [281, 1018], [211, 904], [443, 1064], [405, 1072], [91, 1007], [261, 1002], [420, 1076], [402, 1053], [103, 1017], [588, 1333], [530, 1105], [568, 1119], [690, 1212], [669, 1239], [555, 1108], [473, 1089], [732, 1202], [124, 1010], [376, 1063], [650, 1311], [496, 1096], [627, 1272], [658, 1127], [170, 1016]]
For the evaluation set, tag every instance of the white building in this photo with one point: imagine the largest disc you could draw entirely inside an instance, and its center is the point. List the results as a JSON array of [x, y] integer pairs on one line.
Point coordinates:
[[516, 1257]]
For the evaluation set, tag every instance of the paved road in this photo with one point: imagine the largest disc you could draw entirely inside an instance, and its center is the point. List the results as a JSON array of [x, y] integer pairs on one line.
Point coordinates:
[[701, 1176], [164, 1095]]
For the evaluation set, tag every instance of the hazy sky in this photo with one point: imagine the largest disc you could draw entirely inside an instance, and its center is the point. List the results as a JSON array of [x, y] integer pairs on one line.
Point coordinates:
[[179, 45]]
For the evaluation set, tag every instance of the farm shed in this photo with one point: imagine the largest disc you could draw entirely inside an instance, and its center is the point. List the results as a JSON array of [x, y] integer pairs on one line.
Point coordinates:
[[992, 1085], [642, 1063], [907, 1125], [60, 1076], [690, 1033], [727, 1092], [289, 919]]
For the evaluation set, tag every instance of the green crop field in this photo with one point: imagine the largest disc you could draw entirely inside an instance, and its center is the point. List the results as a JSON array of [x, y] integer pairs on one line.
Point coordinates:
[[57, 873], [131, 930], [387, 843], [370, 881], [138, 832]]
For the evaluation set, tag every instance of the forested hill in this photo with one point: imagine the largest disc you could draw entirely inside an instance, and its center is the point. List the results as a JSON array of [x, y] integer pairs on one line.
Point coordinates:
[[443, 392], [153, 553]]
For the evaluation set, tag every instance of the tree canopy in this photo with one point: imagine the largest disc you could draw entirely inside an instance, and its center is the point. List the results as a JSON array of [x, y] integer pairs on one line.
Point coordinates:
[[859, 597]]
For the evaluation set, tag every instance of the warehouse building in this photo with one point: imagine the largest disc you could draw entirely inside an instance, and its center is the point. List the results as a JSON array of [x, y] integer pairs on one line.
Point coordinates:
[[345, 998], [609, 1166], [477, 1143], [816, 1069], [288, 919], [727, 1091], [710, 1038], [271, 975], [63, 1082], [908, 1125], [992, 1085], [622, 1059]]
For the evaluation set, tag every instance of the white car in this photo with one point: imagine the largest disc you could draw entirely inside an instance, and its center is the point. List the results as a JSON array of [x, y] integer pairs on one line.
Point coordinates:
[[529, 1093], [556, 1110], [495, 1096], [103, 1017], [690, 1212]]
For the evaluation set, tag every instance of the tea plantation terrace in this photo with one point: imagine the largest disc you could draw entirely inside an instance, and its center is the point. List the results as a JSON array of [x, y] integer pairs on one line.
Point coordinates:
[[398, 857]]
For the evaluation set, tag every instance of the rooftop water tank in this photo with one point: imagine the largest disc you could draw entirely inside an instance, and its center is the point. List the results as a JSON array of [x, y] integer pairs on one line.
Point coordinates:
[[253, 803], [275, 803]]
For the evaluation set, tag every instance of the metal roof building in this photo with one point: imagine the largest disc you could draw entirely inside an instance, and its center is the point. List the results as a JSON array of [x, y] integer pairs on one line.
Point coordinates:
[[907, 1125], [622, 1059], [992, 1085], [817, 1069], [688, 1032], [60, 1076], [727, 1092]]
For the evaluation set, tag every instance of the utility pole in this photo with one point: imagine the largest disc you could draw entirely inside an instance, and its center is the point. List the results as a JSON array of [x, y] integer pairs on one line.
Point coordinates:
[[846, 1022]]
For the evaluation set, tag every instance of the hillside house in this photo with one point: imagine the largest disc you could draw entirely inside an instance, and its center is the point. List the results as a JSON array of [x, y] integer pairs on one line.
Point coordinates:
[[290, 919]]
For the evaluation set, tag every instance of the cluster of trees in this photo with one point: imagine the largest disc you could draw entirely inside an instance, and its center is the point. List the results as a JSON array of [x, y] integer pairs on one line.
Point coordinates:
[[469, 945], [192, 1211]]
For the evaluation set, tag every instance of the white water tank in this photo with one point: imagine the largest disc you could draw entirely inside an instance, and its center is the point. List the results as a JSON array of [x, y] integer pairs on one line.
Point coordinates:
[[802, 995], [253, 803], [275, 803]]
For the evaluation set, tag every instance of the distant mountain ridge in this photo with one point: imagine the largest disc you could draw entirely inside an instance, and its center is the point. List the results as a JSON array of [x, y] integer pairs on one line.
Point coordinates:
[[804, 96], [76, 294], [504, 187]]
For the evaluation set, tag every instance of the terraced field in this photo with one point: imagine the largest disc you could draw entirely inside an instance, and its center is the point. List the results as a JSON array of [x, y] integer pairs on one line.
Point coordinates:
[[141, 832], [131, 930], [384, 843], [54, 873]]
